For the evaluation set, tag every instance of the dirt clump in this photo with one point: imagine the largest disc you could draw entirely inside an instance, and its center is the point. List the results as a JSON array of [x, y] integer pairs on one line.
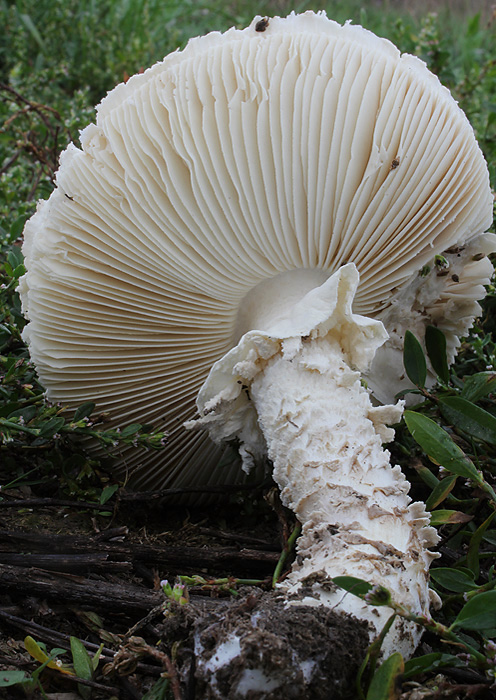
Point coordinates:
[[263, 648]]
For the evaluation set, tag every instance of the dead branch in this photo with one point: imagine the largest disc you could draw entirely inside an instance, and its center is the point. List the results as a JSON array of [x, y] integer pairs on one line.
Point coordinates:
[[48, 503], [10, 161], [20, 582], [37, 107], [179, 559], [71, 563]]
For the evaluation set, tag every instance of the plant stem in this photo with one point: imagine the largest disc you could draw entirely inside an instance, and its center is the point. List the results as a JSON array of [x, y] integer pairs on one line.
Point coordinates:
[[285, 553]]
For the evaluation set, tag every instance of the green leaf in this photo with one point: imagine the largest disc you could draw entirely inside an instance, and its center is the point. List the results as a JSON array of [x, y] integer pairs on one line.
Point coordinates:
[[15, 258], [435, 344], [160, 691], [440, 492], [131, 430], [429, 662], [353, 585], [490, 537], [373, 595], [56, 651], [5, 335], [27, 413], [478, 614], [96, 658], [84, 411], [32, 29], [414, 360], [473, 25], [474, 545], [386, 680], [18, 271], [472, 419], [15, 232], [51, 427], [82, 665], [448, 517], [479, 385], [91, 619], [437, 444], [107, 493], [12, 678], [81, 659], [455, 580], [427, 476]]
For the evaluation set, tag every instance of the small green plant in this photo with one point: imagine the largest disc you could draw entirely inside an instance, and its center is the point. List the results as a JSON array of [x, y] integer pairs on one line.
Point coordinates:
[[83, 666], [456, 405], [178, 593], [476, 616], [219, 585]]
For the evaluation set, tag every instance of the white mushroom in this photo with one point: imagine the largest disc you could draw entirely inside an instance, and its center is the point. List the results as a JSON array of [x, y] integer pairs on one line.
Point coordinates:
[[246, 223]]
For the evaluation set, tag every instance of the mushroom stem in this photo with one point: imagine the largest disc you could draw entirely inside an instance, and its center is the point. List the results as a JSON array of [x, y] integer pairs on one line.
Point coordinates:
[[324, 439], [293, 393]]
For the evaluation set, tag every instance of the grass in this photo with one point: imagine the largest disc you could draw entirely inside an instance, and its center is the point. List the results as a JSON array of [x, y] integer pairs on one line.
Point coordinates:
[[67, 58], [58, 60]]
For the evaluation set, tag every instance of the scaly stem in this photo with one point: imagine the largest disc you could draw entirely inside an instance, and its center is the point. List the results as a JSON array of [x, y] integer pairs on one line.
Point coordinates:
[[324, 439]]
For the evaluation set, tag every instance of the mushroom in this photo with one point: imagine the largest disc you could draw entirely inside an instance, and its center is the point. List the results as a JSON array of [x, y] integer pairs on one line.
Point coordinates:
[[248, 225]]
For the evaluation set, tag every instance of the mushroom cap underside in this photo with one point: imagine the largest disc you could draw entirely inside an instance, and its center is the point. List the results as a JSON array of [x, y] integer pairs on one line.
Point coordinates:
[[246, 158]]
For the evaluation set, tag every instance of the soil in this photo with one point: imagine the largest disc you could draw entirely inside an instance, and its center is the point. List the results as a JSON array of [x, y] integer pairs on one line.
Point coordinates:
[[67, 570], [73, 569], [292, 652]]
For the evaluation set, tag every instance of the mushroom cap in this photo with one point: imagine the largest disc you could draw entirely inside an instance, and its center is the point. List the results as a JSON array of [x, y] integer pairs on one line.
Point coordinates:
[[222, 185]]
